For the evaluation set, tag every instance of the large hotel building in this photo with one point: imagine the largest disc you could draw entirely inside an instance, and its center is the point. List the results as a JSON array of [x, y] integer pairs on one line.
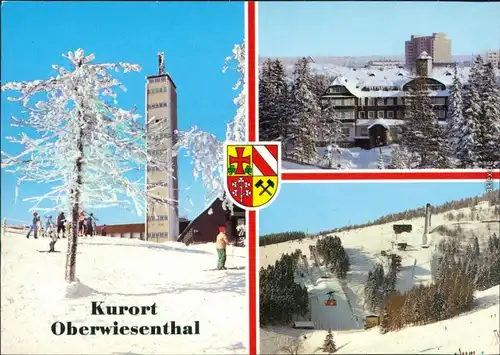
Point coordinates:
[[371, 102], [162, 220]]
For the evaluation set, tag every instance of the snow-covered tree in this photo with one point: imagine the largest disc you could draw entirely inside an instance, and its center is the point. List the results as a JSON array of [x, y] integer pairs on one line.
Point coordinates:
[[205, 150], [422, 134], [400, 158], [83, 145], [455, 113], [329, 346], [273, 101], [380, 160], [330, 126], [470, 129], [302, 128], [487, 145]]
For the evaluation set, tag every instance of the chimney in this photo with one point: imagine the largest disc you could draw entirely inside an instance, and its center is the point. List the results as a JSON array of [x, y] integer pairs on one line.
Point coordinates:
[[161, 63], [427, 223]]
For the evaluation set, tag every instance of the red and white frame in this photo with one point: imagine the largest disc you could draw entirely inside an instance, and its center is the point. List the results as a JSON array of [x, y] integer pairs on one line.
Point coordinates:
[[318, 176]]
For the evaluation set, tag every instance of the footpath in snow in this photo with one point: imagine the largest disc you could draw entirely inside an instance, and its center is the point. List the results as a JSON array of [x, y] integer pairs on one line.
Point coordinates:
[[122, 272]]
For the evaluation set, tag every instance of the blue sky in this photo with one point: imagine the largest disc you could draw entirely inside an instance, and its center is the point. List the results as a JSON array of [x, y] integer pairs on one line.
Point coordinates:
[[196, 38], [373, 28], [327, 206]]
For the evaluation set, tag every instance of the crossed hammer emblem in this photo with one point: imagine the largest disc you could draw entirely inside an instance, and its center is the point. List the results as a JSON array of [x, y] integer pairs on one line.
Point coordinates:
[[265, 189]]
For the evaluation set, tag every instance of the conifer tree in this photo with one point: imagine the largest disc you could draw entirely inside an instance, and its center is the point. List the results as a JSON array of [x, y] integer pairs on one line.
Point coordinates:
[[400, 157], [302, 128], [487, 145], [455, 113], [467, 152], [273, 101], [422, 134], [329, 346]]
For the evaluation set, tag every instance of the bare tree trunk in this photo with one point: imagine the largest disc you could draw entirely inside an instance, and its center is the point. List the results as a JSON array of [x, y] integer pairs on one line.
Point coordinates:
[[70, 274]]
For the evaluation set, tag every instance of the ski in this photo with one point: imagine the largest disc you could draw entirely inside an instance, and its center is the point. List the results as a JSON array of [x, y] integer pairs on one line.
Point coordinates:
[[228, 268], [48, 252]]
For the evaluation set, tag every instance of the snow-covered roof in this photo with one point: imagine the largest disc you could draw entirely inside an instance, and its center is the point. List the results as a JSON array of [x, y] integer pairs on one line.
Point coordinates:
[[369, 123], [424, 55]]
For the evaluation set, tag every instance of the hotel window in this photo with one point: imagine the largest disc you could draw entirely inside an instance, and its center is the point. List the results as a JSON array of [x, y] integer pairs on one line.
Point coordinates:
[[390, 102], [442, 113], [380, 114], [363, 131], [399, 114], [380, 102], [346, 131], [440, 101], [390, 114], [371, 114], [400, 101], [361, 114], [371, 102]]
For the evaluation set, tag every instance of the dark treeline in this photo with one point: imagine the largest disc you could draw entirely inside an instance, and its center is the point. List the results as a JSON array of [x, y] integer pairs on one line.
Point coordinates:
[[281, 298], [332, 252], [492, 197]]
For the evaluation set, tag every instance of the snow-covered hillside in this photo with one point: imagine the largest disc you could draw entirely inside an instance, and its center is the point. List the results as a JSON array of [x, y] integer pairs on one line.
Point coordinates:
[[351, 158], [364, 247], [122, 272], [472, 331]]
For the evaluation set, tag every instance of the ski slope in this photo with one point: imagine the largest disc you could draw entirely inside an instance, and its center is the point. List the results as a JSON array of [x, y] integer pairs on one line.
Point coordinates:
[[352, 158], [363, 247], [472, 331], [121, 272]]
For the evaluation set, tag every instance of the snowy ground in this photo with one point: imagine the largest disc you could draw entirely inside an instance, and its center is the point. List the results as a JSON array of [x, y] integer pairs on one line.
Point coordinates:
[[352, 158], [124, 272], [363, 247]]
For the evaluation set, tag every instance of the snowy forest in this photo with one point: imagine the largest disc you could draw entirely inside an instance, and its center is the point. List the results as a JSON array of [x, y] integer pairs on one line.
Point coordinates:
[[458, 271], [290, 112]]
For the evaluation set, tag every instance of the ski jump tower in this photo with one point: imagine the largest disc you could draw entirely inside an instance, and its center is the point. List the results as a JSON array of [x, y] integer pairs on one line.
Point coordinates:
[[425, 236]]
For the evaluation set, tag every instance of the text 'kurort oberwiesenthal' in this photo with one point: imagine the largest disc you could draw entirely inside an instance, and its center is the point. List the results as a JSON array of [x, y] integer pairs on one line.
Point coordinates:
[[99, 309]]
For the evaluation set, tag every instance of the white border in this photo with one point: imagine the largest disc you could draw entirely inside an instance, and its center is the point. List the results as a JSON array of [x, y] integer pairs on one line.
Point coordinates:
[[400, 181], [246, 77], [382, 171], [226, 188], [257, 73], [247, 219], [280, 171]]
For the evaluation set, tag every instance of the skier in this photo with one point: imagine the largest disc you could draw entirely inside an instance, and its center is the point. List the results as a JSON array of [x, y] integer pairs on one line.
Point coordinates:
[[33, 226], [90, 225], [81, 223], [221, 243], [49, 226], [61, 220], [94, 224]]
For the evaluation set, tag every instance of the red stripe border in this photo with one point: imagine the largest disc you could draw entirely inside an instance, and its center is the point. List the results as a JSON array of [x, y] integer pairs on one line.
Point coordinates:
[[389, 175], [252, 222]]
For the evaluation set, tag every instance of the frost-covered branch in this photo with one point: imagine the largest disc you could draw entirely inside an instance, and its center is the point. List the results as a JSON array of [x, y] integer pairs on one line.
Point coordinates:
[[205, 150], [78, 108]]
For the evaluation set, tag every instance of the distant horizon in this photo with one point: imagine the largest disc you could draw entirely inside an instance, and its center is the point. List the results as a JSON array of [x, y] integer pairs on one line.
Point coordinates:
[[321, 29], [388, 56], [355, 203]]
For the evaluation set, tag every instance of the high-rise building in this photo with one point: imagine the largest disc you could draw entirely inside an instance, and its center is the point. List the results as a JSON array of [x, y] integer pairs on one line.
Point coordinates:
[[162, 222], [437, 45], [493, 57]]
